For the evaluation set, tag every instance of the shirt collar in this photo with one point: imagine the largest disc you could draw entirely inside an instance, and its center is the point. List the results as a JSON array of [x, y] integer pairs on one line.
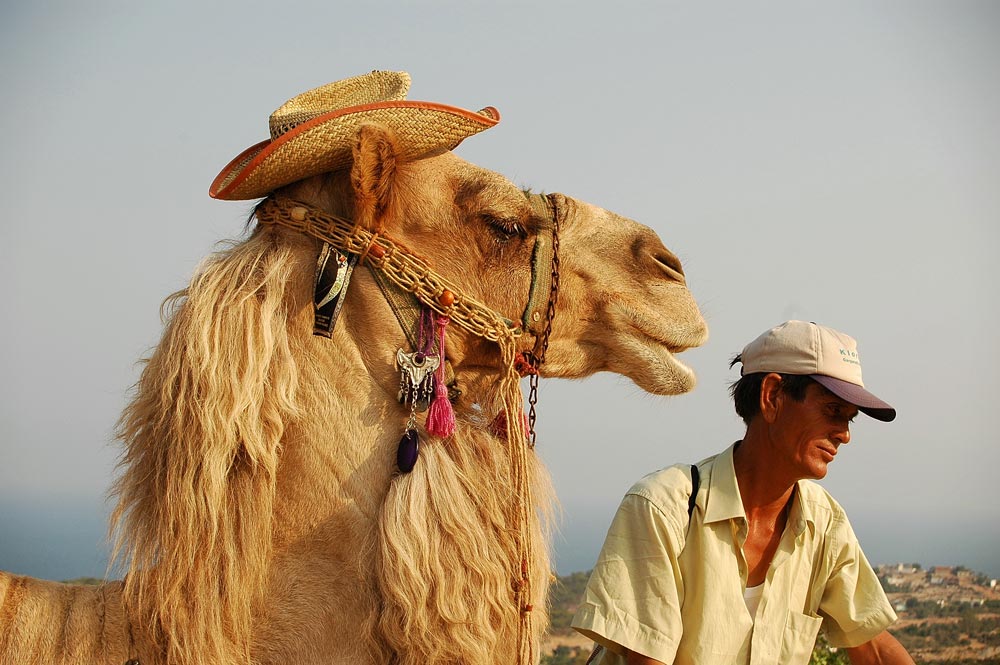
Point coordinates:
[[800, 511], [723, 501]]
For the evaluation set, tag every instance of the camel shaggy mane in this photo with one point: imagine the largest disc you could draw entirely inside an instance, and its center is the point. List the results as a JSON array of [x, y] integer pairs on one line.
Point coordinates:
[[202, 441]]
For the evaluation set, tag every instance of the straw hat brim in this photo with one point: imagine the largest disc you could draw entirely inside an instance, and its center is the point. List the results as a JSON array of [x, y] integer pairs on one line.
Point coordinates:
[[323, 144]]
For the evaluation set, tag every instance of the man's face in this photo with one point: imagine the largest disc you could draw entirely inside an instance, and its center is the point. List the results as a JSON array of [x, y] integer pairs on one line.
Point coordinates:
[[810, 432]]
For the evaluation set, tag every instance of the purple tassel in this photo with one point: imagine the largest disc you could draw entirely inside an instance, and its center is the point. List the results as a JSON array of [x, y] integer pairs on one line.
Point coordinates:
[[406, 453], [441, 416]]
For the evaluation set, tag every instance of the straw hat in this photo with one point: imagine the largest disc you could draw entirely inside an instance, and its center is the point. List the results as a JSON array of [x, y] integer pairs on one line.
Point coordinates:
[[312, 132]]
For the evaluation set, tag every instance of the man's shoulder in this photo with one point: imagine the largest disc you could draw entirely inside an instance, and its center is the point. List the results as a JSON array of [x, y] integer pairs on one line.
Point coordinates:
[[669, 486]]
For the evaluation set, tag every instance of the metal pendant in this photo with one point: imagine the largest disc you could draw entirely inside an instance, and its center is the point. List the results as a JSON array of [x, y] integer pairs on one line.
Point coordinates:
[[416, 378], [333, 274]]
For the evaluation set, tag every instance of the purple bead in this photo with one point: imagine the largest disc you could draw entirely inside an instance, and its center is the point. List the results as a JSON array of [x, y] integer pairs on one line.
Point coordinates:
[[406, 454]]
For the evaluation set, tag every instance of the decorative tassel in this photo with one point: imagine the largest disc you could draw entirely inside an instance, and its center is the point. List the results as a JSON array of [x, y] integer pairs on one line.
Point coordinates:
[[523, 366], [441, 416], [406, 453]]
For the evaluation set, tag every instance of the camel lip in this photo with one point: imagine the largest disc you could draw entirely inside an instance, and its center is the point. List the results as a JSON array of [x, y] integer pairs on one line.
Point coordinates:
[[665, 340], [684, 376], [660, 329], [664, 346], [678, 364], [668, 349]]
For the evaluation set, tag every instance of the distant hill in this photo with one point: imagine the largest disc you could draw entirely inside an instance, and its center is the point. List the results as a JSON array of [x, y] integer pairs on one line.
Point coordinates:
[[89, 581], [564, 597]]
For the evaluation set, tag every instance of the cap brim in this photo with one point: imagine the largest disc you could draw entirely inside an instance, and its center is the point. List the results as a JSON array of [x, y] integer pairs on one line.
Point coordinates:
[[858, 396], [324, 143]]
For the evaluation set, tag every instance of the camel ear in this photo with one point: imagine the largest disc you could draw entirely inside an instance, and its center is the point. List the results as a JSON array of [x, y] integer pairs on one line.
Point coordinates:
[[372, 173]]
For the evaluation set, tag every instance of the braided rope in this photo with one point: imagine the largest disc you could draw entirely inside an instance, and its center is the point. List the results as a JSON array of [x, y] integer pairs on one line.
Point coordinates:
[[414, 275], [395, 261], [513, 401]]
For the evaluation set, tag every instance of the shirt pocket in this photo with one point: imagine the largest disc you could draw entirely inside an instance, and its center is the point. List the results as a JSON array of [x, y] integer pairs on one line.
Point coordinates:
[[799, 638]]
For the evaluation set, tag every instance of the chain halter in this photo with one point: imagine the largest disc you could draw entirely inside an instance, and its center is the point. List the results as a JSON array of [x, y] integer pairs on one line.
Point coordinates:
[[546, 252], [413, 274]]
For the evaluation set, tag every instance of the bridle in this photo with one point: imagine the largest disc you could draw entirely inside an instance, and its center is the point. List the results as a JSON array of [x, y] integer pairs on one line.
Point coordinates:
[[412, 274], [544, 292]]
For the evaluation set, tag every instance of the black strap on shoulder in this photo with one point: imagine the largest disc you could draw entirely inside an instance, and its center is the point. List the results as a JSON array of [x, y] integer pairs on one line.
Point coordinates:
[[695, 481]]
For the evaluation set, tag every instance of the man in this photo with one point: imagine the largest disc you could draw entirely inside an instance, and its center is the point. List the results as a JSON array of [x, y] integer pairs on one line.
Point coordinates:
[[765, 558]]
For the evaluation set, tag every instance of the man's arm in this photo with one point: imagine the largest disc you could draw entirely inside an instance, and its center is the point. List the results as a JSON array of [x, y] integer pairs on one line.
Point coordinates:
[[883, 649]]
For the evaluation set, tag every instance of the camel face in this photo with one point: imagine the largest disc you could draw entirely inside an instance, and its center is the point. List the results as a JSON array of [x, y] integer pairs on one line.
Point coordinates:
[[627, 308], [623, 303]]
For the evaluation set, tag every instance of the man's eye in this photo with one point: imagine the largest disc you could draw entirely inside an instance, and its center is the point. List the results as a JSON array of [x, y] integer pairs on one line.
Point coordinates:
[[840, 413]]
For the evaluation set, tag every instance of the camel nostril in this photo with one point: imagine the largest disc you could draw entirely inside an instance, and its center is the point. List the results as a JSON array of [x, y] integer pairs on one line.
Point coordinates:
[[670, 264], [667, 258], [648, 250]]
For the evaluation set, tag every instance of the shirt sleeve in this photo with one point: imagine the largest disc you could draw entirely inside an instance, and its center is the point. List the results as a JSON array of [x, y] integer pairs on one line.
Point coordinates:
[[854, 607], [634, 596]]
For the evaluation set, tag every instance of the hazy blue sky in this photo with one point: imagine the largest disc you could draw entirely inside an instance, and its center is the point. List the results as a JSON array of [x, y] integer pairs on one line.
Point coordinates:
[[836, 162]]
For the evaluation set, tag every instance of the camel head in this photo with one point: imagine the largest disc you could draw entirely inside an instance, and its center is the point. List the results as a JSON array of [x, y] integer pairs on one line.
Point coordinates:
[[622, 305]]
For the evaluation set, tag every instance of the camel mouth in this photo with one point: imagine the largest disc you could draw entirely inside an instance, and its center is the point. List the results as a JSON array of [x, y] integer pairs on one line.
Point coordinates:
[[652, 366], [650, 346], [680, 331]]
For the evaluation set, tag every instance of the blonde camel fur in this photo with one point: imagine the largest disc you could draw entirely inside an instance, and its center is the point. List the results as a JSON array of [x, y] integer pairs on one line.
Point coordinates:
[[259, 512]]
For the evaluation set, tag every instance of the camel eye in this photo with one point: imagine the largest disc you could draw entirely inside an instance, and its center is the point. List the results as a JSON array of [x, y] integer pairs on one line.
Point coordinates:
[[505, 228]]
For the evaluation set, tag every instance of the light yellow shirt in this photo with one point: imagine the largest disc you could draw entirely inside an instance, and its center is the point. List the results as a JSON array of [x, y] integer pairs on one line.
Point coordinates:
[[689, 609]]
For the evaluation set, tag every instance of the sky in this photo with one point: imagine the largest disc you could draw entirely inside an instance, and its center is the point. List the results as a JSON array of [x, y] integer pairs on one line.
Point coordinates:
[[836, 162]]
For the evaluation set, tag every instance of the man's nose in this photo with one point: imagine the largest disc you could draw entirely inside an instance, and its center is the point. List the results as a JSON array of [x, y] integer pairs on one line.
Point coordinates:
[[842, 434]]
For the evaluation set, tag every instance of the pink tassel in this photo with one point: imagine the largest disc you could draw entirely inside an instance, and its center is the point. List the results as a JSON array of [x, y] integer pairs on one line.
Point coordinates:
[[440, 416]]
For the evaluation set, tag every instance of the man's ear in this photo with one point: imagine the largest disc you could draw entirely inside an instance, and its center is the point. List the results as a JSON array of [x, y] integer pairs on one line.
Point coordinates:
[[770, 397], [372, 174]]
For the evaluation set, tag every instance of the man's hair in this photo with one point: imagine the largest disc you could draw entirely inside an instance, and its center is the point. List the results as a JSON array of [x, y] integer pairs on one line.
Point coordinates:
[[745, 391]]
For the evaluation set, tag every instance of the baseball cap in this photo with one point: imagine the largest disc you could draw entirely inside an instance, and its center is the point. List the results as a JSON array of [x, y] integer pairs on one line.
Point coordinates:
[[827, 356]]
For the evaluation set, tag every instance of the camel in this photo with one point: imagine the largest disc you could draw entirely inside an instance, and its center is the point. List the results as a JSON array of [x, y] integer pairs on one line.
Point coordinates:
[[265, 513]]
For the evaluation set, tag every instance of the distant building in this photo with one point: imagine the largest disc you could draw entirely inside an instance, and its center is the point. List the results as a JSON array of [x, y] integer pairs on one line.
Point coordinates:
[[942, 575]]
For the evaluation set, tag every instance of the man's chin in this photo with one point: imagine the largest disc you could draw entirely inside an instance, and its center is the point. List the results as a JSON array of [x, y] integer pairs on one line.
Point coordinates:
[[819, 470]]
